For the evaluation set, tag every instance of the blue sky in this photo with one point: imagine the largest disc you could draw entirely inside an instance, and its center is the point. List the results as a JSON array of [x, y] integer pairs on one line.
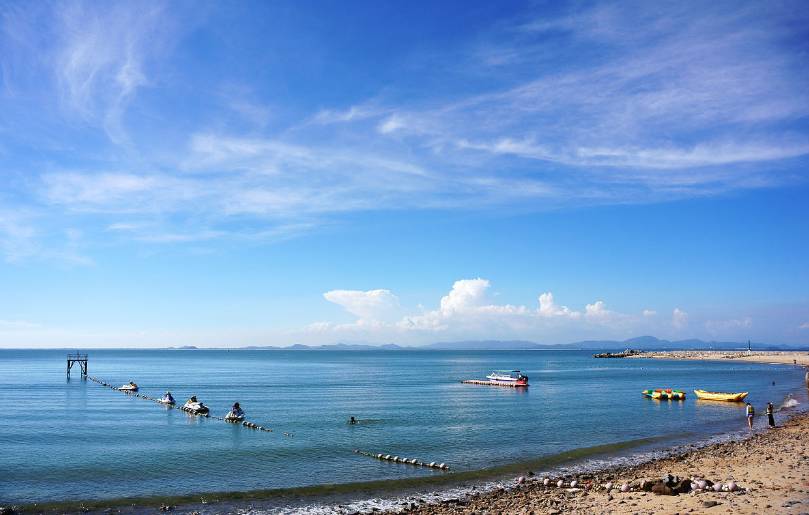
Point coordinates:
[[257, 173]]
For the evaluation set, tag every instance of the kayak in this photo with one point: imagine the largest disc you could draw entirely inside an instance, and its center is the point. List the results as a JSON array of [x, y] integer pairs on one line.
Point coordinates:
[[720, 396], [665, 394]]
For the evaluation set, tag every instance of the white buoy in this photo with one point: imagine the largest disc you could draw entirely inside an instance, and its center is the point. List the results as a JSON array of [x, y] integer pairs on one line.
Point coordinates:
[[444, 467], [717, 487], [732, 486], [521, 480], [701, 484], [432, 464], [608, 486], [573, 483], [560, 483], [624, 487], [546, 481]]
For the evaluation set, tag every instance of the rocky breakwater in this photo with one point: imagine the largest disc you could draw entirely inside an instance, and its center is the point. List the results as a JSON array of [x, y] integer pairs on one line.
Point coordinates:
[[625, 354]]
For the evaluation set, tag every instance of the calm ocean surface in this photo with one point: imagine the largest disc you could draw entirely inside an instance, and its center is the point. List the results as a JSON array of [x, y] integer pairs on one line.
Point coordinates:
[[69, 440]]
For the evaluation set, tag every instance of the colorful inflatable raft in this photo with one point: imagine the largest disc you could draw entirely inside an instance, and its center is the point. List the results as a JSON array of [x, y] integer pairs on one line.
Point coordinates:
[[664, 394]]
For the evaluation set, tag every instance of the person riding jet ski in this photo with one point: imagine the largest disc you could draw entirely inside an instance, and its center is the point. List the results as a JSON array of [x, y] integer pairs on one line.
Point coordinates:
[[195, 407], [235, 414], [168, 399]]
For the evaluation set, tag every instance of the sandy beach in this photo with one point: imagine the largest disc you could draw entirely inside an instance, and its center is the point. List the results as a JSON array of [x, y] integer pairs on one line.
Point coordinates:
[[769, 471]]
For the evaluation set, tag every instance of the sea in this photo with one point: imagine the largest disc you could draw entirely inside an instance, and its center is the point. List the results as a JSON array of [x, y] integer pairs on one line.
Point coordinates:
[[72, 440]]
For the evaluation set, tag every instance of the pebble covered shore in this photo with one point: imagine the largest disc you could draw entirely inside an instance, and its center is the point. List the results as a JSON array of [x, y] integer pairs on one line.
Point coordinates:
[[769, 473]]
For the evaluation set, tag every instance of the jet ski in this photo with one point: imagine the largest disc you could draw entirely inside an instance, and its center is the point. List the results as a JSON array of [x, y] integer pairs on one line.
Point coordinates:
[[195, 407], [167, 399], [131, 387], [234, 416]]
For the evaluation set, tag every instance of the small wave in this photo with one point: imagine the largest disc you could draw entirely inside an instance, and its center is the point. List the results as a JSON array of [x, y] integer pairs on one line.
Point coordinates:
[[789, 403]]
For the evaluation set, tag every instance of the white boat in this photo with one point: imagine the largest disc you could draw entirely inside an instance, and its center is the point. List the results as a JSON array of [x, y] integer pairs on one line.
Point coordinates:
[[131, 387], [195, 407], [512, 377]]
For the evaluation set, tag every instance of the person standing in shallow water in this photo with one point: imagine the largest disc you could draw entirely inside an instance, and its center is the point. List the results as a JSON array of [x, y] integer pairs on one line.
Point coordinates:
[[750, 414], [770, 418]]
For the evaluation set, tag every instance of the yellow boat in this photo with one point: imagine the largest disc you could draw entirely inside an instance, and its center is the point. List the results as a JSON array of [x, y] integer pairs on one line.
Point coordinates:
[[720, 396]]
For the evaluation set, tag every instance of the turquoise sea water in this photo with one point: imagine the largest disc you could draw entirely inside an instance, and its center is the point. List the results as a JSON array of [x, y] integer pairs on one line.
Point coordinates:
[[70, 440]]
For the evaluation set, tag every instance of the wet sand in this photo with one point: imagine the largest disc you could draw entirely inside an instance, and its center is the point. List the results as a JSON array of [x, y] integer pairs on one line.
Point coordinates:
[[770, 469]]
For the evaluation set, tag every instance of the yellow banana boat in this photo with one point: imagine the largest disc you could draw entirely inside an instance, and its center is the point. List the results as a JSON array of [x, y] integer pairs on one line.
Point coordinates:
[[720, 396]]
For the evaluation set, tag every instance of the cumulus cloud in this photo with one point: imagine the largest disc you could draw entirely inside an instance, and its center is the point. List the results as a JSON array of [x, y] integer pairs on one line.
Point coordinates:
[[465, 294], [679, 318], [466, 309], [548, 308]]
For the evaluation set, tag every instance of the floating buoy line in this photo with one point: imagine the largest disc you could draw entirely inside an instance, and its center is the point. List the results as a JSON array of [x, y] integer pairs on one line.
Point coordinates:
[[245, 423], [406, 461]]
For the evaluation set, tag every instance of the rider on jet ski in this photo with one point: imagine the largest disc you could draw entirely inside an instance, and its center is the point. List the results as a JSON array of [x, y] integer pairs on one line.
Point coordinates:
[[236, 410]]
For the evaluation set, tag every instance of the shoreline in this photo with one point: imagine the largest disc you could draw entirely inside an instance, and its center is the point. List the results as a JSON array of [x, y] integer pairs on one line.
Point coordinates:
[[769, 470]]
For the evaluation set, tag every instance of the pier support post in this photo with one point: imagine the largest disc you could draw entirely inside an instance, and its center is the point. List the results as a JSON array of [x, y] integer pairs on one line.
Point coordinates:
[[79, 358]]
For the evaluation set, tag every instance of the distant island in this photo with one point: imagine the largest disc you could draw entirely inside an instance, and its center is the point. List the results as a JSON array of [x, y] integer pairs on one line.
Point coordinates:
[[645, 343]]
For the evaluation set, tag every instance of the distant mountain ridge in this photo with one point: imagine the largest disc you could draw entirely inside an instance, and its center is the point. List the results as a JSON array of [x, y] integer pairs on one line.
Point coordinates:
[[647, 343], [639, 343]]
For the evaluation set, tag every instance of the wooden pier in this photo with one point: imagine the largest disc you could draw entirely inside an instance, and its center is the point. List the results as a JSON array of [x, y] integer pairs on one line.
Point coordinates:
[[79, 358], [494, 383]]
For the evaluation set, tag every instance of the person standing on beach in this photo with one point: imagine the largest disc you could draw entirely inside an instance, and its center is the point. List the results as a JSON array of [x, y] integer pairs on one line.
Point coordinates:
[[770, 417], [750, 414]]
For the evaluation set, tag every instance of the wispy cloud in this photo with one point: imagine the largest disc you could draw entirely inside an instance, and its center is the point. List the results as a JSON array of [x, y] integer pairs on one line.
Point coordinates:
[[613, 103], [102, 55]]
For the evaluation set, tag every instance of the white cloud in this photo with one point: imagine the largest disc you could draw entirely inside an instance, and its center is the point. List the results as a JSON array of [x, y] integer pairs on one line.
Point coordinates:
[[466, 310], [391, 124], [465, 294], [101, 58], [371, 305], [804, 325], [679, 319], [548, 308], [649, 313]]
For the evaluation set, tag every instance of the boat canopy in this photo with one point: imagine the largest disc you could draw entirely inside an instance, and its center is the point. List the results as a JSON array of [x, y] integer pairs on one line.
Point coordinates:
[[514, 373]]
